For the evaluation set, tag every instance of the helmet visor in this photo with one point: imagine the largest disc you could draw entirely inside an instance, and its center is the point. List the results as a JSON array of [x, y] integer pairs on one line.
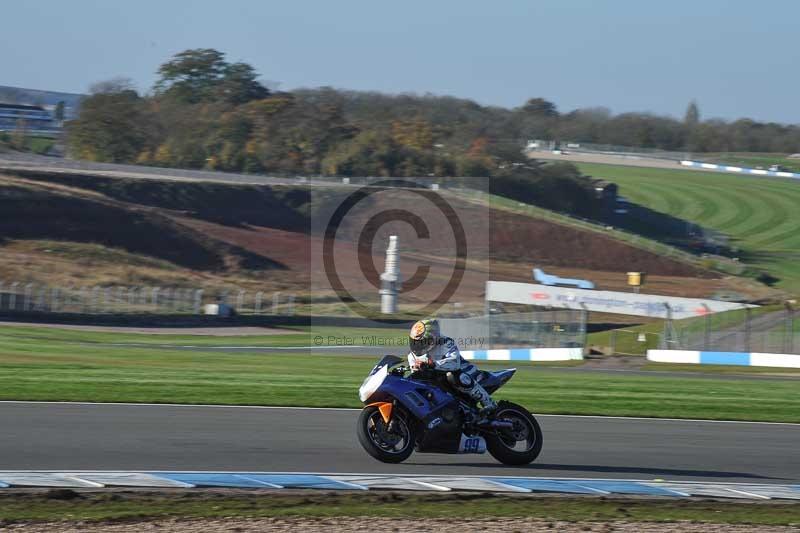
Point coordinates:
[[422, 346]]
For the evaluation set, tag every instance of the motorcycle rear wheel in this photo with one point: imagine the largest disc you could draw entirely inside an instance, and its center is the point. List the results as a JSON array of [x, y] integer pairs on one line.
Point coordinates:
[[520, 446], [393, 446]]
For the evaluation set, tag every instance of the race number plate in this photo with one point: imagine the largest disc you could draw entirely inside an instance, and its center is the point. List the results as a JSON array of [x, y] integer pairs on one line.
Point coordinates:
[[472, 445]]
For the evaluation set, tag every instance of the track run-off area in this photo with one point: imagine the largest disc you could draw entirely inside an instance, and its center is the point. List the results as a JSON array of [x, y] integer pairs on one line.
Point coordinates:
[[149, 437]]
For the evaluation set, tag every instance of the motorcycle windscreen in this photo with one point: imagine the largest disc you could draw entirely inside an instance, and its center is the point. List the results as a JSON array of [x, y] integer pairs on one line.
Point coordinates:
[[386, 360]]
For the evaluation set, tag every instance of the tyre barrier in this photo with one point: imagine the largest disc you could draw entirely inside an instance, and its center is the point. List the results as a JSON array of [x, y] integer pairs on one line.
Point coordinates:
[[778, 360], [497, 484]]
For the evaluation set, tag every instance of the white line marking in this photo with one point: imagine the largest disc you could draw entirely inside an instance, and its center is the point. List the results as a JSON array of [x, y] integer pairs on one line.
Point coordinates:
[[599, 491], [265, 483], [431, 486], [703, 420], [727, 485], [81, 480], [355, 486], [513, 488], [666, 488], [287, 407], [202, 405], [751, 494]]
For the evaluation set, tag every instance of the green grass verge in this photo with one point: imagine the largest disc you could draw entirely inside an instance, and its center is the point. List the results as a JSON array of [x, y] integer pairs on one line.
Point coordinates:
[[759, 214], [295, 336], [722, 369], [37, 145], [33, 368], [626, 341], [142, 506]]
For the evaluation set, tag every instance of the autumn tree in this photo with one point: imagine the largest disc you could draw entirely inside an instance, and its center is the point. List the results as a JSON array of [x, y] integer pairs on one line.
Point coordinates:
[[112, 125], [416, 134]]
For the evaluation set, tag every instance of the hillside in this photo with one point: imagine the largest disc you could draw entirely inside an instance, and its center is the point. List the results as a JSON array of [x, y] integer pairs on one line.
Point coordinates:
[[84, 230], [760, 215]]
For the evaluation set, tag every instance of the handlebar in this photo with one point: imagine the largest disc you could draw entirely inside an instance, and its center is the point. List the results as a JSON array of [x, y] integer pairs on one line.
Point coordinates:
[[399, 370]]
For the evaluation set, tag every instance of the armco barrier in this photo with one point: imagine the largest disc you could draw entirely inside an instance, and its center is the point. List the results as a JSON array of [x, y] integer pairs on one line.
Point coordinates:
[[525, 354], [94, 480], [779, 360], [740, 170]]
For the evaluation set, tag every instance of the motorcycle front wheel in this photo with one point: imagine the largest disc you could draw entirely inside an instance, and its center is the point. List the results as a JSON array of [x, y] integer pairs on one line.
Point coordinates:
[[520, 445], [388, 443]]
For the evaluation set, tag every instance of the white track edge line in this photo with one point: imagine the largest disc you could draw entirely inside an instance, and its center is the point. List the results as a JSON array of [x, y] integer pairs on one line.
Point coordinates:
[[289, 407], [489, 477]]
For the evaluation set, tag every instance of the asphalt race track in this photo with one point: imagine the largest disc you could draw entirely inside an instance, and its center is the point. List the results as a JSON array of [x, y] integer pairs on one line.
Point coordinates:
[[52, 436]]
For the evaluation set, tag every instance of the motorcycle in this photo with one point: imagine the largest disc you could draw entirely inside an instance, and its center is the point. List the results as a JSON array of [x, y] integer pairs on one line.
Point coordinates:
[[422, 412]]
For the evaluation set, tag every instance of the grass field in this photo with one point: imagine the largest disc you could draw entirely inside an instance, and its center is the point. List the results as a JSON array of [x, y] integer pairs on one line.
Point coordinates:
[[41, 364], [760, 215], [293, 336], [37, 145]]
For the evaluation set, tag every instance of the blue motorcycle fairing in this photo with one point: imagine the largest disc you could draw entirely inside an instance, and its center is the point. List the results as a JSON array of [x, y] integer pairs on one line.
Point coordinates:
[[436, 411], [419, 398], [491, 381]]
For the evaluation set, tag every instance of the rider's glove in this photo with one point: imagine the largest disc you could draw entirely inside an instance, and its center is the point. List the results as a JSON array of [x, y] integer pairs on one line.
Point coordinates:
[[420, 364]]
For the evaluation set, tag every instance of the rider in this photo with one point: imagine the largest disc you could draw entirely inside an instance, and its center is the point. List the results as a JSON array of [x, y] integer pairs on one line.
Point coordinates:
[[430, 349]]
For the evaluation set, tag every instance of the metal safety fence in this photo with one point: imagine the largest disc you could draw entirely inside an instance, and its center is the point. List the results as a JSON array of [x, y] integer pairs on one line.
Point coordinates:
[[21, 297], [747, 330], [559, 328], [609, 149]]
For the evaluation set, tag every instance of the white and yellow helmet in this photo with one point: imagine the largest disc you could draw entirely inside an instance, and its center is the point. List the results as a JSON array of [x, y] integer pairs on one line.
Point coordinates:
[[423, 336]]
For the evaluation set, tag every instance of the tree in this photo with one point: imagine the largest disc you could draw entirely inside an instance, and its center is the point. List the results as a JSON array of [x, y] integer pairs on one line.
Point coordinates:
[[113, 85], [112, 125], [206, 111], [540, 107], [203, 75], [692, 116], [191, 76], [59, 111], [239, 85], [414, 134]]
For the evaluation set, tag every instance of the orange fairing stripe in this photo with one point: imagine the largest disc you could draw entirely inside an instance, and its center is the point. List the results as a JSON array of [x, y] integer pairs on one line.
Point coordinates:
[[385, 408]]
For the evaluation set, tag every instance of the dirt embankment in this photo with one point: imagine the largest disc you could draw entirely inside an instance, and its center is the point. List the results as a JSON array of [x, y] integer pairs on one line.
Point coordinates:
[[41, 211], [265, 235]]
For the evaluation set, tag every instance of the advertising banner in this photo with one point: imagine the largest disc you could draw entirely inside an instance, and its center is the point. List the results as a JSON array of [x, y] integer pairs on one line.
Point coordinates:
[[623, 303]]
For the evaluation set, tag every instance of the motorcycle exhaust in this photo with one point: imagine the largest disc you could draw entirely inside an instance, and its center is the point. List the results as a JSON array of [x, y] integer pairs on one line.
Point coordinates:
[[498, 424]]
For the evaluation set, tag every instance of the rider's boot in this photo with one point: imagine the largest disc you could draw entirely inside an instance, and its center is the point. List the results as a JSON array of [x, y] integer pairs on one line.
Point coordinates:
[[489, 406]]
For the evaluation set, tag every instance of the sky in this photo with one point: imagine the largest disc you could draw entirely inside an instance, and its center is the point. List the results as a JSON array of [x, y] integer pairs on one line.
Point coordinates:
[[737, 58]]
